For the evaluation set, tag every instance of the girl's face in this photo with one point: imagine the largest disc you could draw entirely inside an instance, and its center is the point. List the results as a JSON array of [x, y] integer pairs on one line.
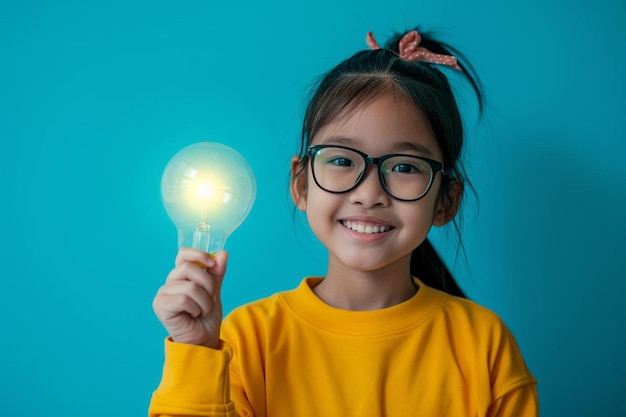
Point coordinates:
[[365, 229]]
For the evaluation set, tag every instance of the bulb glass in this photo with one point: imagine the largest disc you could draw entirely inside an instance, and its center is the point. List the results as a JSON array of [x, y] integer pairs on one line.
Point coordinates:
[[208, 190]]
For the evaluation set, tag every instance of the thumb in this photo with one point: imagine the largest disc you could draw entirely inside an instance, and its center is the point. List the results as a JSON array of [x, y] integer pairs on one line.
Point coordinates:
[[219, 269]]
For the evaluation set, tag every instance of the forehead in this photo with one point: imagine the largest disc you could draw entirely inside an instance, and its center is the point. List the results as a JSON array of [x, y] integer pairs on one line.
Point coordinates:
[[390, 123]]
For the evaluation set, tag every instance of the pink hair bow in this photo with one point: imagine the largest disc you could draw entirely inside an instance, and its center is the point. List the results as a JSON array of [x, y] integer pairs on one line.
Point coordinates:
[[409, 50]]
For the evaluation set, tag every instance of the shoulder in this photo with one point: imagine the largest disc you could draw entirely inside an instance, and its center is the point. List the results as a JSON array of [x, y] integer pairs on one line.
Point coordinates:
[[260, 316], [480, 324], [477, 327], [278, 304], [465, 314], [258, 310], [481, 333]]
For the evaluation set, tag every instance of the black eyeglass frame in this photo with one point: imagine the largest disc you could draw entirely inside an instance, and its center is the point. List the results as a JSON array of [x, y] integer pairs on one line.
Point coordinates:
[[435, 167]]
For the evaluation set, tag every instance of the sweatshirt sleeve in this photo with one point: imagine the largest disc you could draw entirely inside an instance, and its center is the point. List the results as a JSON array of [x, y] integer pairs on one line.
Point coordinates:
[[514, 389], [521, 402], [195, 382]]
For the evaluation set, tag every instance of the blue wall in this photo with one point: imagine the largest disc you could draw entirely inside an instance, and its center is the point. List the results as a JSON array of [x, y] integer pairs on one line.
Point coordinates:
[[95, 99]]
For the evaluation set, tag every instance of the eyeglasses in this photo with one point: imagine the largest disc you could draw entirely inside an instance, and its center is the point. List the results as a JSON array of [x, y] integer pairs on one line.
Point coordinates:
[[339, 169]]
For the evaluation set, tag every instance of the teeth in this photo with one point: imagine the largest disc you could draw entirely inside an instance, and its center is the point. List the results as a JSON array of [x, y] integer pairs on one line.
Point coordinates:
[[361, 228]]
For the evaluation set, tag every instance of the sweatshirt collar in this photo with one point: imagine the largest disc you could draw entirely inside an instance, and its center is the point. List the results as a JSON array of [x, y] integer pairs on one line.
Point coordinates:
[[308, 307]]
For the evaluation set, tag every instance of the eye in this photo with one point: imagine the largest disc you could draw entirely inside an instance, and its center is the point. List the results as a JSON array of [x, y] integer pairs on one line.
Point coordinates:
[[408, 168], [341, 161]]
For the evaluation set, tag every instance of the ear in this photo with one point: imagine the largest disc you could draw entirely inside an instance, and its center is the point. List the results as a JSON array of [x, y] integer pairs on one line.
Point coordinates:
[[448, 203], [298, 182]]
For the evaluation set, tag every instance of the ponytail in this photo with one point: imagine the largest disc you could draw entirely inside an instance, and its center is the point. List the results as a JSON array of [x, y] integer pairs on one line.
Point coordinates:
[[428, 267]]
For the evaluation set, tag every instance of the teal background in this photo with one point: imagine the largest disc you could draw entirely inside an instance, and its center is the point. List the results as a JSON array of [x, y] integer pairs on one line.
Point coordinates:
[[96, 97]]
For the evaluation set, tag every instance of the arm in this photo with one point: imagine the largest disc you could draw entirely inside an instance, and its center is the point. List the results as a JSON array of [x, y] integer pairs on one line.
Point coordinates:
[[195, 378], [514, 389]]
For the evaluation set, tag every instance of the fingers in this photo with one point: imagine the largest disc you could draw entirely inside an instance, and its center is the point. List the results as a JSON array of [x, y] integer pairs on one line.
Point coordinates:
[[168, 307], [188, 271], [193, 286], [196, 256], [215, 264], [185, 296]]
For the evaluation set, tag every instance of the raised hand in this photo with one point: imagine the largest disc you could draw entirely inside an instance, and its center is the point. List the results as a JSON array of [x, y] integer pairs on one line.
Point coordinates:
[[189, 304]]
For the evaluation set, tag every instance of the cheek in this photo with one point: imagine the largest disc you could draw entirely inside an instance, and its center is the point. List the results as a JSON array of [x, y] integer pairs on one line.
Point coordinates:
[[423, 215], [321, 206], [423, 212], [319, 213]]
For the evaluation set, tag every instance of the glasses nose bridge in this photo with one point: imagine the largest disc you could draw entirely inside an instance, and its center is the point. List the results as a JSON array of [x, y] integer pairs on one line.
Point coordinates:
[[370, 160]]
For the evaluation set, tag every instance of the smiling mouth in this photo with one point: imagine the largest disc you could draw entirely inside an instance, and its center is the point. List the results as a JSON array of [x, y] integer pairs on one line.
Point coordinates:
[[367, 228]]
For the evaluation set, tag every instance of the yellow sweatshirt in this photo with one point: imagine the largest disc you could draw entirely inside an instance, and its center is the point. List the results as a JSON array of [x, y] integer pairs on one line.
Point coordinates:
[[293, 355]]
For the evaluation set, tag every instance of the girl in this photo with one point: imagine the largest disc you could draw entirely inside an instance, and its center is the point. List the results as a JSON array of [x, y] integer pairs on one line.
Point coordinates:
[[387, 331]]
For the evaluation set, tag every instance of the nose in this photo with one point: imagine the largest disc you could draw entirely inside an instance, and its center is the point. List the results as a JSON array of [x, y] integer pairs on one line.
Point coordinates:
[[369, 193]]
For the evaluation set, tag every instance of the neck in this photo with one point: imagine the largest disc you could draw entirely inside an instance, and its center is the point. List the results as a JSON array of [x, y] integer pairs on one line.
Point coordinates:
[[350, 289]]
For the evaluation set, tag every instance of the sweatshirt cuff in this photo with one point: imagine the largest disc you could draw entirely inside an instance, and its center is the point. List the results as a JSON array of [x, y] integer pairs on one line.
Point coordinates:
[[195, 374]]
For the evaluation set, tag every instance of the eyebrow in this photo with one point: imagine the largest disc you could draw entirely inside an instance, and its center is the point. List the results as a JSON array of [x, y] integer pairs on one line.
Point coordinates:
[[398, 147]]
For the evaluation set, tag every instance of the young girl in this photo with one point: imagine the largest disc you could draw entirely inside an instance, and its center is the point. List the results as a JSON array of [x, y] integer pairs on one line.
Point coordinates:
[[387, 331]]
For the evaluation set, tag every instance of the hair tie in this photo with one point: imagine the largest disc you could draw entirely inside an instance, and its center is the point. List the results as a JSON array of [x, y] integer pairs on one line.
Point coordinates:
[[409, 50]]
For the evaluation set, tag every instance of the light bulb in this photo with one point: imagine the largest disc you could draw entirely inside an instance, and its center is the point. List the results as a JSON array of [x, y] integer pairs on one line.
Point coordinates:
[[208, 190]]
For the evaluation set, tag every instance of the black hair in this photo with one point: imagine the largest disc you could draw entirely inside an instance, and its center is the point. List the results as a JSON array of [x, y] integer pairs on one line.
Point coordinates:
[[369, 74]]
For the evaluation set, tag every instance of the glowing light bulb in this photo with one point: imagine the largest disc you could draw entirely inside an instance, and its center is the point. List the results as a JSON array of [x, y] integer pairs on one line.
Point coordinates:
[[208, 190]]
